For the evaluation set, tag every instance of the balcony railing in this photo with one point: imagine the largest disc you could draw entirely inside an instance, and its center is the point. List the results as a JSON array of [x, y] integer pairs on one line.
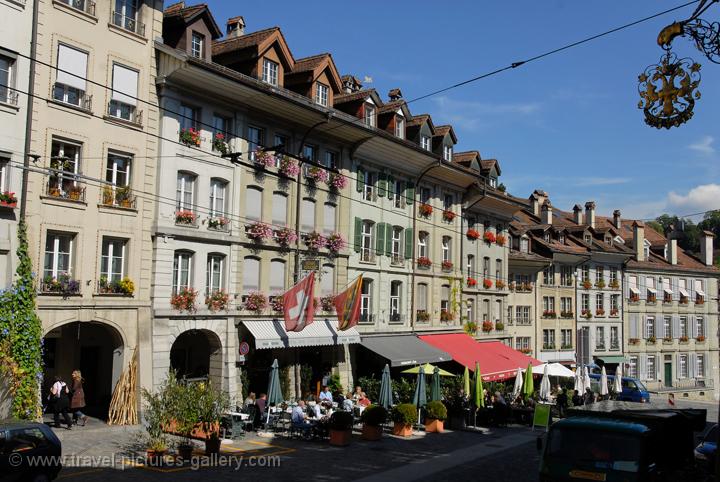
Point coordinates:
[[61, 189], [63, 285], [126, 112], [128, 23], [9, 96], [119, 197], [520, 321], [86, 6], [396, 319], [218, 223], [69, 95]]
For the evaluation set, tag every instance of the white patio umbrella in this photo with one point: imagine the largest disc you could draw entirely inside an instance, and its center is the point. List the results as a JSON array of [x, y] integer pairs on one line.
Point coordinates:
[[618, 380], [603, 382], [586, 379], [553, 370], [518, 384], [578, 380], [545, 386]]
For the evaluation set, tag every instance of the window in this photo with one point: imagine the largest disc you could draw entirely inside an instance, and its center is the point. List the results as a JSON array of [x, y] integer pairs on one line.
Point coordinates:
[[58, 255], [614, 305], [699, 293], [65, 160], [651, 367], [422, 297], [329, 218], [368, 186], [112, 262], [667, 327], [651, 291], [566, 339], [217, 198], [650, 327], [400, 127], [585, 302], [549, 275], [447, 152], [321, 94], [7, 80], [498, 270], [633, 367], [549, 304], [125, 15], [614, 338], [185, 189], [397, 244], [633, 287], [189, 117], [599, 274], [253, 204], [684, 329], [588, 238], [470, 266], [493, 181], [366, 246], [277, 276], [447, 202], [561, 238], [118, 169], [599, 337], [486, 267], [699, 365], [700, 327], [327, 280], [548, 339], [498, 310], [70, 83], [307, 215], [546, 237], [331, 159], [182, 271], [486, 310], [683, 366], [425, 143], [282, 142], [256, 139], [397, 194], [522, 343], [470, 310], [445, 298], [524, 244], [196, 45], [522, 315], [422, 244], [586, 273], [221, 131], [4, 171], [366, 300], [215, 273], [446, 245], [566, 304], [251, 274], [270, 72], [599, 303], [369, 115], [566, 275], [613, 276], [395, 292], [123, 100], [279, 208]]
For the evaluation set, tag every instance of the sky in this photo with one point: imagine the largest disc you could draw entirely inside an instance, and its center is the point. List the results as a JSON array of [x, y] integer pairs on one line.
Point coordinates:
[[568, 124]]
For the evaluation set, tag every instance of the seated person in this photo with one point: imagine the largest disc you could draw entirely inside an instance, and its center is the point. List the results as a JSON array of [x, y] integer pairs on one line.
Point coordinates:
[[261, 404], [298, 413], [347, 404], [250, 400], [313, 411], [363, 402], [358, 393], [325, 395]]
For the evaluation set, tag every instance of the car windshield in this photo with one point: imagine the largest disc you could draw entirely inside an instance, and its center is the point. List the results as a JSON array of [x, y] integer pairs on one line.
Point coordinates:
[[712, 435], [608, 450]]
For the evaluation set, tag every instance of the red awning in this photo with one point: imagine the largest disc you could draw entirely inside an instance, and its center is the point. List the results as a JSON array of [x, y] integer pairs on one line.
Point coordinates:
[[497, 360]]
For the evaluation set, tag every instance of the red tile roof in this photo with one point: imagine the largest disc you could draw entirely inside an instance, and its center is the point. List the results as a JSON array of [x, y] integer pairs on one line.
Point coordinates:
[[353, 96]]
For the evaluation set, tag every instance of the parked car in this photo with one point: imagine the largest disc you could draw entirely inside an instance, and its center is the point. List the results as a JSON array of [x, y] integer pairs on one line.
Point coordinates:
[[633, 390], [706, 450], [21, 442]]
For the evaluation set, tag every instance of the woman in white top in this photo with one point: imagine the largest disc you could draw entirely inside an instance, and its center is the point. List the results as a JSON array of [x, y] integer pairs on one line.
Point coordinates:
[[60, 398]]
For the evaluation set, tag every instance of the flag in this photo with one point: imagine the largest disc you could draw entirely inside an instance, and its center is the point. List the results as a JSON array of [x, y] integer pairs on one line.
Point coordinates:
[[347, 305], [299, 304]]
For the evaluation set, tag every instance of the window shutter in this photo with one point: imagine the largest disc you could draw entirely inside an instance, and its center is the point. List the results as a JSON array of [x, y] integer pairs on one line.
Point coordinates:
[[659, 328], [360, 185], [388, 239], [676, 326], [627, 287], [675, 288], [358, 234], [633, 325], [692, 364], [409, 240], [125, 84], [381, 184], [379, 238], [691, 289], [678, 372], [693, 326], [410, 193], [705, 327], [642, 361], [390, 186], [74, 62]]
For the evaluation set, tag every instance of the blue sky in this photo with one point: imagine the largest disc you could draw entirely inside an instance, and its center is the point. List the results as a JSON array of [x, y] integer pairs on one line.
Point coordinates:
[[568, 123]]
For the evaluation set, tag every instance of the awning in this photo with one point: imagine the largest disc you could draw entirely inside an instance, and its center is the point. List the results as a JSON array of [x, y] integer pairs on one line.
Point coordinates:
[[700, 292], [668, 291], [652, 290], [497, 360], [612, 359], [272, 334], [683, 292], [634, 290], [404, 350]]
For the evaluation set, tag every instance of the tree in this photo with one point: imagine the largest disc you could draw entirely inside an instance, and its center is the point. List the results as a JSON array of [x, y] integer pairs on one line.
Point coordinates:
[[711, 222]]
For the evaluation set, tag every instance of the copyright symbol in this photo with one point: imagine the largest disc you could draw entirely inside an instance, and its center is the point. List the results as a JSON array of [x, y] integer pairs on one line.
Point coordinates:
[[15, 460]]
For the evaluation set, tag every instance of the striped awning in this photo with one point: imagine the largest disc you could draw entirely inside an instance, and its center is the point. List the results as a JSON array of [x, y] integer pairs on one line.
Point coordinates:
[[271, 334]]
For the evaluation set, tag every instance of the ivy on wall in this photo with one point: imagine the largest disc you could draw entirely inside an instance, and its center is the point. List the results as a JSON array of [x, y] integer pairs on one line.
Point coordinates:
[[21, 337]]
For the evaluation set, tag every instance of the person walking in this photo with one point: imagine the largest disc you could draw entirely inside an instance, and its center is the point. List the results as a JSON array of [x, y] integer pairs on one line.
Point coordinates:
[[59, 395], [562, 402], [77, 398]]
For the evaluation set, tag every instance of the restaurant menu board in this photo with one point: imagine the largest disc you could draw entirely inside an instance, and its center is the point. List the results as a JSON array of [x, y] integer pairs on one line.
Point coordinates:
[[541, 418]]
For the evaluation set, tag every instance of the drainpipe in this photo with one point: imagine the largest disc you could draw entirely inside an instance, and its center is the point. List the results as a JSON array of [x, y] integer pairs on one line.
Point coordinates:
[[438, 163], [29, 113]]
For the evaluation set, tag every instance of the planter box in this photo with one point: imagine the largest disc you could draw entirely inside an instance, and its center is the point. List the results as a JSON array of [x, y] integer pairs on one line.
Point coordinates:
[[340, 438], [371, 433], [196, 433], [432, 425], [402, 430], [212, 445], [8, 205]]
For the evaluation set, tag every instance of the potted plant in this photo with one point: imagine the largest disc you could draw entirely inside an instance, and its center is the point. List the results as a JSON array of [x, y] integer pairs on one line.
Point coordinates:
[[700, 338], [218, 222], [190, 137], [258, 231], [284, 237], [184, 216], [448, 216], [424, 262], [684, 339], [447, 265], [471, 282], [255, 301], [288, 167], [487, 326], [8, 199], [470, 328], [422, 315], [445, 315], [336, 182], [587, 284], [651, 340], [126, 286], [123, 196], [108, 197], [334, 243], [614, 284], [403, 416], [500, 240], [212, 403], [184, 300], [264, 158], [472, 234], [217, 300], [155, 417], [500, 284], [315, 175], [489, 237], [600, 283], [314, 241], [487, 283], [634, 341], [499, 326], [220, 144], [435, 415], [372, 418], [425, 210], [341, 428]]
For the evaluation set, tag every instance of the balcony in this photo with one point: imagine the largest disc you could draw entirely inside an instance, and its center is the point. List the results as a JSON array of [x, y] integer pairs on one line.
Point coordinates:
[[548, 346], [72, 97], [85, 6], [124, 287], [124, 112], [65, 189], [63, 285], [521, 321], [521, 287], [130, 24], [118, 197], [9, 96]]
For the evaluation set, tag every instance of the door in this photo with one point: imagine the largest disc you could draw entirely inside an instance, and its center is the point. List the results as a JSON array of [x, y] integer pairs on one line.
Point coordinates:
[[668, 374]]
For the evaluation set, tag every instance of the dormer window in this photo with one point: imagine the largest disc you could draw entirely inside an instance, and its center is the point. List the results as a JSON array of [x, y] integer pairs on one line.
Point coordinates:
[[608, 240], [321, 94], [400, 127], [425, 143], [561, 238], [493, 182], [588, 238], [447, 152], [369, 115], [524, 244], [547, 237], [196, 45], [270, 72]]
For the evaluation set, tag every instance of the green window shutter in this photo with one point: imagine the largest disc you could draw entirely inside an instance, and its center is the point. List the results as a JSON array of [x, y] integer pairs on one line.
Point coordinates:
[[410, 193], [409, 240], [379, 238], [391, 186], [358, 234], [360, 185], [381, 184], [388, 239]]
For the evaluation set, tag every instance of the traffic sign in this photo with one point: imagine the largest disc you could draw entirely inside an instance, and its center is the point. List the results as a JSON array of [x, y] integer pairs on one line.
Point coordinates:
[[244, 348]]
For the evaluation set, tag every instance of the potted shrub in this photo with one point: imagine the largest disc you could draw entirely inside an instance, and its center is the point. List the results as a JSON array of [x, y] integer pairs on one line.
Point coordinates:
[[314, 241], [425, 210], [499, 326], [155, 417], [472, 234], [123, 196], [334, 242], [373, 417], [341, 428], [220, 144], [217, 300], [403, 416], [471, 282], [212, 403], [288, 167], [336, 182], [470, 328], [285, 237], [447, 265], [435, 415], [184, 300]]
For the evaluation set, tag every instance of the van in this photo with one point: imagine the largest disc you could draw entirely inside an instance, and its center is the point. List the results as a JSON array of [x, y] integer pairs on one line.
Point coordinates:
[[633, 390]]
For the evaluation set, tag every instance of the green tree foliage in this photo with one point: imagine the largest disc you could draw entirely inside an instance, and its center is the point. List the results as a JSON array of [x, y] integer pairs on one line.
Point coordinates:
[[687, 232]]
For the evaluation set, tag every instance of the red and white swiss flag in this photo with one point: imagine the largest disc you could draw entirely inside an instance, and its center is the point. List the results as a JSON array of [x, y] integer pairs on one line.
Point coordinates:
[[299, 304]]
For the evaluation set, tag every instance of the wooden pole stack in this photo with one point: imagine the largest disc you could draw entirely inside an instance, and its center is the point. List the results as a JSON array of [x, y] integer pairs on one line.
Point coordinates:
[[123, 406]]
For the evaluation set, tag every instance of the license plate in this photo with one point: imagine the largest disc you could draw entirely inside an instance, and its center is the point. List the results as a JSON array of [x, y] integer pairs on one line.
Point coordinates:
[[583, 474]]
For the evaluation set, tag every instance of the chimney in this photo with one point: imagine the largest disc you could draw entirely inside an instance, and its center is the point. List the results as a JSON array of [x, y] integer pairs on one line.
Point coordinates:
[[590, 213], [578, 214], [537, 199], [350, 84], [706, 247], [672, 250], [639, 240], [235, 27], [547, 214], [617, 220], [395, 94]]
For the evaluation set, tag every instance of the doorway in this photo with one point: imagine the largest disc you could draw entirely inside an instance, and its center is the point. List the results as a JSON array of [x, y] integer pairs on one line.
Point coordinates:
[[668, 374]]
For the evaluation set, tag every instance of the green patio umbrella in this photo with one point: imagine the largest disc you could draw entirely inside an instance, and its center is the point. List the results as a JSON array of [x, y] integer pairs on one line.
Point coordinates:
[[466, 382], [435, 389], [385, 397], [528, 387], [274, 394], [478, 397], [420, 398], [428, 370]]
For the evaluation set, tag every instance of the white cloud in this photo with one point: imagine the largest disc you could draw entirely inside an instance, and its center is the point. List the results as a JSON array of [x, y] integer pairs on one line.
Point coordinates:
[[601, 181], [475, 115], [700, 198], [704, 146]]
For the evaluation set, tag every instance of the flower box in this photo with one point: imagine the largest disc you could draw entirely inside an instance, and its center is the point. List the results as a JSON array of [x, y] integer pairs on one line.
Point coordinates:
[[525, 351], [288, 167], [316, 175], [652, 299], [124, 286], [566, 314], [185, 217], [600, 284], [634, 341], [217, 300], [63, 284], [699, 300], [8, 199], [614, 312], [499, 326], [255, 301], [447, 265], [184, 300], [277, 304], [425, 210], [314, 241], [500, 240], [422, 315], [549, 314], [472, 234], [683, 339], [264, 159], [587, 314], [700, 339], [445, 315], [336, 181], [500, 284], [587, 284], [219, 223], [487, 326], [614, 284], [651, 340], [667, 339], [448, 216], [600, 312], [190, 137], [284, 237], [220, 144], [327, 303], [471, 282], [334, 243], [258, 231], [470, 328], [489, 237], [424, 262], [487, 284]]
